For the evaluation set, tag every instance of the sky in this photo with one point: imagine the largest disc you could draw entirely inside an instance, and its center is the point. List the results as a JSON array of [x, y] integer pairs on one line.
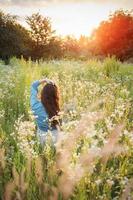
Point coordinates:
[[68, 17]]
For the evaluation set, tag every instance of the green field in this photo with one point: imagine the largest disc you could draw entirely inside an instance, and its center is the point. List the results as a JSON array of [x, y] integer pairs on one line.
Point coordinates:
[[94, 155]]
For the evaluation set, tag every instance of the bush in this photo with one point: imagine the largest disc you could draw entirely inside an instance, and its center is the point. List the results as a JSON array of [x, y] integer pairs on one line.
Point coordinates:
[[111, 65]]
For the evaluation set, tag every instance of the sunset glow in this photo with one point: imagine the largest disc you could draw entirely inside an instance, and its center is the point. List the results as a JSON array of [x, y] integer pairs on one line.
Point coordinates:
[[69, 18]]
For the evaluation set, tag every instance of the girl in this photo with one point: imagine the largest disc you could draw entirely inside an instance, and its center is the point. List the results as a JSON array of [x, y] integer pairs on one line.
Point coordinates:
[[45, 110]]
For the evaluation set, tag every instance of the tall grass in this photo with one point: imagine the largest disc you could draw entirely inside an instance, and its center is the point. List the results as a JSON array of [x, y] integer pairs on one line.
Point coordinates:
[[94, 154]]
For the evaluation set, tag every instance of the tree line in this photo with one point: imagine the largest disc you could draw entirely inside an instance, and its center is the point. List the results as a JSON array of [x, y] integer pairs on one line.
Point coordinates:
[[112, 37]]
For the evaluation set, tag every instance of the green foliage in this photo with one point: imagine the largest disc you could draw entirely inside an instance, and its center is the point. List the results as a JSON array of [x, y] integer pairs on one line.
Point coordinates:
[[113, 37], [45, 44], [14, 39], [30, 171], [111, 66]]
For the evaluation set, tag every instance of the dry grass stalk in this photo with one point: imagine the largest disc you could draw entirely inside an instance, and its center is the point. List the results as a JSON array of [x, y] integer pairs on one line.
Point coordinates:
[[9, 188], [86, 161], [69, 143], [39, 170], [71, 176], [54, 195], [22, 184], [127, 191], [19, 182], [2, 156], [110, 146]]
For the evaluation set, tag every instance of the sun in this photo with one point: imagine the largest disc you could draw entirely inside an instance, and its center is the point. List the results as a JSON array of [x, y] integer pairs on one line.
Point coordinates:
[[78, 18]]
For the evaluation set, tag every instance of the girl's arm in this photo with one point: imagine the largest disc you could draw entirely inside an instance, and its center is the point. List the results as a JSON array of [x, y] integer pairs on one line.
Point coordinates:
[[34, 90]]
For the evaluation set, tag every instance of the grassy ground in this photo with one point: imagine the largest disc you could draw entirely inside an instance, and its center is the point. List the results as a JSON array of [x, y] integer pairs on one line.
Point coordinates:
[[94, 155]]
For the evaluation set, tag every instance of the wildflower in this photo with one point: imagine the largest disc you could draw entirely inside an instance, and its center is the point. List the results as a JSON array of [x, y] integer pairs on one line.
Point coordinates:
[[98, 181], [110, 182]]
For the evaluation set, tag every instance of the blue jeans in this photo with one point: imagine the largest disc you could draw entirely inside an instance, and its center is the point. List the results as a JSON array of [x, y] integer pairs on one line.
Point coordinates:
[[43, 137]]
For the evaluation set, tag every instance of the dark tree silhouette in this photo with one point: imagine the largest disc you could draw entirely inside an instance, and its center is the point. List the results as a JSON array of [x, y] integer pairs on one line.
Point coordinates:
[[41, 33], [14, 39]]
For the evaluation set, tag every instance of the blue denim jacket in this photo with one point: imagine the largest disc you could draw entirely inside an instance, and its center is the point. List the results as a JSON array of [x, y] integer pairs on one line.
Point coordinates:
[[39, 111]]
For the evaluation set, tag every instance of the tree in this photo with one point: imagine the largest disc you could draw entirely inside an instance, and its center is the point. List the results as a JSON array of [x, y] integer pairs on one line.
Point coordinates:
[[41, 33], [71, 47], [14, 39], [54, 48], [115, 36]]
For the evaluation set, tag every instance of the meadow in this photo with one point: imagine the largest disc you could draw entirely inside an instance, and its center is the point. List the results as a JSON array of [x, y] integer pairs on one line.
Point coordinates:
[[93, 159]]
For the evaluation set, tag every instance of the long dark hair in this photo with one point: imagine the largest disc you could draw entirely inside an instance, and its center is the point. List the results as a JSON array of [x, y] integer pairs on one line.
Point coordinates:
[[50, 100]]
